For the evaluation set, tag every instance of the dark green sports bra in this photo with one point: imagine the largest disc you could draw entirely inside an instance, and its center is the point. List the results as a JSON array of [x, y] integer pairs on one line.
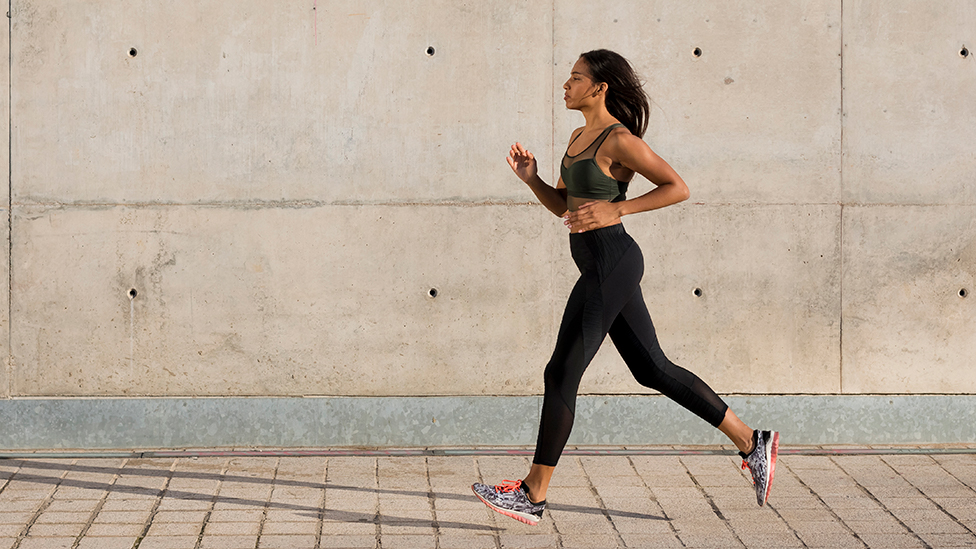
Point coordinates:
[[584, 178]]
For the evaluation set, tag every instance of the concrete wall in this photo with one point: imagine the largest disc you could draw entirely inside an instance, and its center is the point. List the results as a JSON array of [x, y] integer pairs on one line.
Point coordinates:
[[257, 199]]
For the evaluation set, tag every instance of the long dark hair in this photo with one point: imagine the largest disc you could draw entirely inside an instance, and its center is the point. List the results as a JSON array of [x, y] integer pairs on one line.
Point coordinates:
[[626, 100]]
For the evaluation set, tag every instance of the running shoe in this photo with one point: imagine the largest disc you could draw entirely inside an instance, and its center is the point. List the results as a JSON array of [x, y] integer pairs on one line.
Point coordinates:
[[510, 499], [762, 462]]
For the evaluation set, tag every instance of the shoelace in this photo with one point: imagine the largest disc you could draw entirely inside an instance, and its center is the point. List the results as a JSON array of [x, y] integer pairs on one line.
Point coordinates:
[[508, 486], [746, 466]]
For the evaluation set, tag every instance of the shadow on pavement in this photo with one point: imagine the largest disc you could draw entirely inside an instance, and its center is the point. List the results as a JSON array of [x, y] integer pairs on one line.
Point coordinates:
[[328, 514]]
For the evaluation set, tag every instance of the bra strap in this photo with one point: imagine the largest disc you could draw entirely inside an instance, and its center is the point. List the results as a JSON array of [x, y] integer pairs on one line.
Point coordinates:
[[603, 137]]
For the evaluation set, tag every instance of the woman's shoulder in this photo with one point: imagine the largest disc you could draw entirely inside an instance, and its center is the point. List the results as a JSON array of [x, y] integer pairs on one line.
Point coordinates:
[[622, 145], [620, 136]]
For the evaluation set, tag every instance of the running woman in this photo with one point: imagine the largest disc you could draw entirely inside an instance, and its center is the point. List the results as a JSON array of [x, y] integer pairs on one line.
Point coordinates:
[[600, 161]]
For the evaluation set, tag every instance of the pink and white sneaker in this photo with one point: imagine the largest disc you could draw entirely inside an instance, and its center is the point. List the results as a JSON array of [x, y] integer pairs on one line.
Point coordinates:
[[761, 462], [510, 499]]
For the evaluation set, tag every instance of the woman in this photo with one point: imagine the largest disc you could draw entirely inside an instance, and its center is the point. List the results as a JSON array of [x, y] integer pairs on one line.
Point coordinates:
[[599, 163]]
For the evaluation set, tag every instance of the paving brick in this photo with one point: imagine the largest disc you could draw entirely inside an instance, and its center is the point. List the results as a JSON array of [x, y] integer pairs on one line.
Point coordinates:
[[236, 515], [19, 506], [15, 518], [467, 502], [949, 540], [661, 541], [460, 541], [278, 515], [409, 541], [47, 543], [715, 538], [115, 530], [944, 526], [286, 542], [819, 527], [892, 541], [168, 542], [913, 504], [91, 542], [55, 530], [128, 504], [121, 517], [232, 529], [528, 541], [229, 542], [197, 516], [760, 540], [333, 528], [407, 528], [875, 514], [806, 515], [63, 517], [642, 526], [290, 528], [22, 493], [175, 529], [72, 505], [822, 540], [353, 542], [885, 526], [173, 504], [588, 541]]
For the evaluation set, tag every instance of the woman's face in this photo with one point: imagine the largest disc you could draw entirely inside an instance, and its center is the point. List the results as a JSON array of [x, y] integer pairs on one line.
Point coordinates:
[[580, 88]]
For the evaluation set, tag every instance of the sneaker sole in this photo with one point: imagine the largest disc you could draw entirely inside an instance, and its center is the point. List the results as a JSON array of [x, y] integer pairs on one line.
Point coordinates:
[[527, 518], [772, 451]]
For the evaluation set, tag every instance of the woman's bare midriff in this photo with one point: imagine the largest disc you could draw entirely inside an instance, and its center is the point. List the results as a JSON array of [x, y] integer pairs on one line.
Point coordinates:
[[573, 203]]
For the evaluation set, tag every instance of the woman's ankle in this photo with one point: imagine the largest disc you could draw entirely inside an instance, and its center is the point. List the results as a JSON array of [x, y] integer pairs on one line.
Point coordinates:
[[531, 494]]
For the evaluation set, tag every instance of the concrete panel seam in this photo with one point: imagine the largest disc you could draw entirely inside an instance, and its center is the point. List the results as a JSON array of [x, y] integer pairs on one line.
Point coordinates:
[[840, 283], [269, 204], [305, 204], [8, 359]]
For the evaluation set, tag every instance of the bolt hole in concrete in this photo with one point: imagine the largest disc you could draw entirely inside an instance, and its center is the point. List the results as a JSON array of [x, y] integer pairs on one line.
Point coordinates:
[[963, 292], [698, 52], [432, 292], [133, 52], [133, 293], [964, 51], [430, 51], [698, 292]]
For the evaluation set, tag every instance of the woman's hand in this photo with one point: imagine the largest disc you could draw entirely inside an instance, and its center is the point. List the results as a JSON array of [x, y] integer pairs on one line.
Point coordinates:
[[522, 162], [592, 215]]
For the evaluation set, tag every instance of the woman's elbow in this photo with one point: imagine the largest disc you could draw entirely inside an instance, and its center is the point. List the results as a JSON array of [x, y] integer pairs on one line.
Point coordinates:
[[683, 192]]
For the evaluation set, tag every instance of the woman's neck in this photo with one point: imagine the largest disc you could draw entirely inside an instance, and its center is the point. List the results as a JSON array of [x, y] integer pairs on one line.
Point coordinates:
[[597, 116]]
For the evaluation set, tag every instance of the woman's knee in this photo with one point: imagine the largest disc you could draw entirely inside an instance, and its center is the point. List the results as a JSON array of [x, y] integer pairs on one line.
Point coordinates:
[[555, 375]]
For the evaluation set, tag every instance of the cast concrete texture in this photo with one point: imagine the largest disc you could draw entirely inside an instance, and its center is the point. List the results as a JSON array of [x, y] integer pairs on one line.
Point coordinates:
[[257, 199], [910, 144], [680, 500], [340, 310]]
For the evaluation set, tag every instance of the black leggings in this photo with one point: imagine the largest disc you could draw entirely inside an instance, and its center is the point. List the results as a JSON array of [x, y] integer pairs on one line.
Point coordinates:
[[607, 299]]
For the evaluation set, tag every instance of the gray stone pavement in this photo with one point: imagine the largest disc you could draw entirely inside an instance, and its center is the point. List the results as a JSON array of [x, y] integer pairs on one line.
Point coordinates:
[[686, 499]]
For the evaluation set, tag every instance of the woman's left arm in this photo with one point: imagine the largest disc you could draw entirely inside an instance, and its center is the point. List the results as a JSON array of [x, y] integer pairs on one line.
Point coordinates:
[[632, 152]]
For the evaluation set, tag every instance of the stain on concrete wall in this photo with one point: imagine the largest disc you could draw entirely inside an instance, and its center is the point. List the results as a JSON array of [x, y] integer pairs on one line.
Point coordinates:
[[259, 198]]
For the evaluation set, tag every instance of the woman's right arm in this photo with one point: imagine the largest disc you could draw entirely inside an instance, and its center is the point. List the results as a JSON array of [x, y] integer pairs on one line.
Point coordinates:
[[524, 165]]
